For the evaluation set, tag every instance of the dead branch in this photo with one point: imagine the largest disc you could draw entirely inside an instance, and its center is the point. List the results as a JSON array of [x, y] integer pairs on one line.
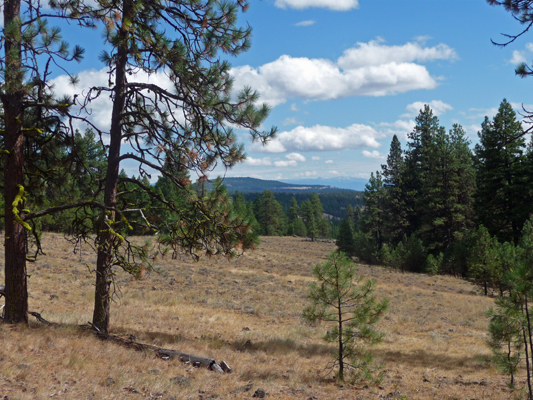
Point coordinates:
[[41, 319]]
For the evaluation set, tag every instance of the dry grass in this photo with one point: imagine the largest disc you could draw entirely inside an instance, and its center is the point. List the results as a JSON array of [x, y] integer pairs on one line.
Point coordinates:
[[247, 312]]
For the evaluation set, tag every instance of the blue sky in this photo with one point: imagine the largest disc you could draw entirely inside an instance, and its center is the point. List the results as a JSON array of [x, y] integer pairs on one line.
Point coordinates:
[[343, 76]]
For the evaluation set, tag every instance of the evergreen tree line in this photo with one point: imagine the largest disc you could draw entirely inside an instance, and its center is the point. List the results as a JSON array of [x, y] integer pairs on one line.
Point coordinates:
[[440, 207], [304, 219], [334, 203]]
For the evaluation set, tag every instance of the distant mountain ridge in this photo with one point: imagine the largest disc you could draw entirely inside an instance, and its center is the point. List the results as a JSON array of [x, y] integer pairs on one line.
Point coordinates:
[[334, 200], [258, 185], [357, 184]]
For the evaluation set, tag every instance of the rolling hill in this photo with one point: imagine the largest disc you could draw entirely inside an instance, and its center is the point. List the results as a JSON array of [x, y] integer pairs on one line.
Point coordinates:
[[247, 185], [334, 200]]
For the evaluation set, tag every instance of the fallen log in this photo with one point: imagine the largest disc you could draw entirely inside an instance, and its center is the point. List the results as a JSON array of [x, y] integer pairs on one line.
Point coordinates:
[[225, 367], [165, 354], [189, 359]]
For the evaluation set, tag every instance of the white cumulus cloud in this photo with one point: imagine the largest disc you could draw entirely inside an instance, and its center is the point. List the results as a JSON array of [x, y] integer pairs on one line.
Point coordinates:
[[336, 5], [291, 121], [369, 69], [288, 163], [257, 161], [295, 157], [399, 128], [376, 52], [329, 161], [481, 113], [322, 138], [373, 154], [518, 57], [438, 107], [521, 56], [292, 160]]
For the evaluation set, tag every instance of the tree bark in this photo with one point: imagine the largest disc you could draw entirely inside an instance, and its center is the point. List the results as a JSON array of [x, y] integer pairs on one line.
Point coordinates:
[[16, 290], [339, 316], [106, 239]]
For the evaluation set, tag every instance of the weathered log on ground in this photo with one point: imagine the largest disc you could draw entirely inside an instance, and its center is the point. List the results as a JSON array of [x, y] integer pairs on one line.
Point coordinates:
[[225, 367], [191, 359], [165, 354]]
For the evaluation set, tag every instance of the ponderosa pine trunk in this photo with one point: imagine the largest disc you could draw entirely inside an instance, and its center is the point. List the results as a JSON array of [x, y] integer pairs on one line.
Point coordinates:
[[106, 238], [16, 290], [341, 339]]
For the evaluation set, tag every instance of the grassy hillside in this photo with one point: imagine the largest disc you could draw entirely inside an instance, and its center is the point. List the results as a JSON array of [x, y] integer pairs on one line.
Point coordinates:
[[247, 312]]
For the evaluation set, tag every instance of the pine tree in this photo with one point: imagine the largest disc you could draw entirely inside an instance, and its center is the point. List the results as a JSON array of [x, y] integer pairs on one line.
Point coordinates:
[[374, 198], [341, 298], [395, 213], [345, 241], [483, 260], [31, 116], [465, 180], [357, 218], [308, 215], [323, 227], [317, 206], [322, 223], [511, 319], [244, 210], [417, 165], [350, 215], [187, 127], [270, 214], [447, 187], [501, 193], [294, 210]]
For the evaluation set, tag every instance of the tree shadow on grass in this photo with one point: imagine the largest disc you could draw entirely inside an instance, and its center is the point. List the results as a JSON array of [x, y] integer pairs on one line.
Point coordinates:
[[280, 346], [283, 346], [272, 346], [149, 336], [424, 359]]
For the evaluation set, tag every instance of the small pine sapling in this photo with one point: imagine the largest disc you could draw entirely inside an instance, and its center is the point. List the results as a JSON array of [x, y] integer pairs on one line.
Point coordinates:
[[342, 298], [511, 319]]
